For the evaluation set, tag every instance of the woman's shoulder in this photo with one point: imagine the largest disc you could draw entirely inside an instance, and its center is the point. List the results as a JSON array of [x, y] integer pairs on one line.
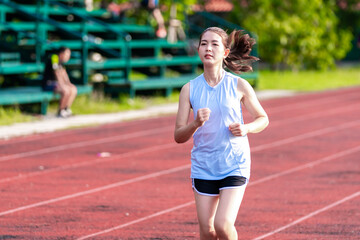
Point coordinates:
[[190, 85], [196, 82], [244, 87], [243, 82], [185, 87]]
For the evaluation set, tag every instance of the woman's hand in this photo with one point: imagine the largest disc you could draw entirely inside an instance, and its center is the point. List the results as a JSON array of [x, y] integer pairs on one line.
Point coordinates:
[[184, 130], [203, 114], [238, 130]]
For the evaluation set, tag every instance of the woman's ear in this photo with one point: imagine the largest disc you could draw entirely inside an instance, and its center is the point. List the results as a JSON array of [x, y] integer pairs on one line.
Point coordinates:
[[227, 51]]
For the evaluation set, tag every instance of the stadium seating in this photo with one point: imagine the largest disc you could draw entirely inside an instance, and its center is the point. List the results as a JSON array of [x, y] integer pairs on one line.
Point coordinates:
[[116, 51]]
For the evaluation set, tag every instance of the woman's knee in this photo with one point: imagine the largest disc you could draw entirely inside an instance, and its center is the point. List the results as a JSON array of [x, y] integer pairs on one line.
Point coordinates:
[[224, 228], [207, 232]]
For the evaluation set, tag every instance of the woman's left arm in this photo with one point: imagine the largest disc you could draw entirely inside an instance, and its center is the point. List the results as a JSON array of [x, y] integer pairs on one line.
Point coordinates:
[[252, 104]]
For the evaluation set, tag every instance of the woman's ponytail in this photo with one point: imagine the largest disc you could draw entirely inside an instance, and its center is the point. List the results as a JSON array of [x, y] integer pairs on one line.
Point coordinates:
[[240, 46]]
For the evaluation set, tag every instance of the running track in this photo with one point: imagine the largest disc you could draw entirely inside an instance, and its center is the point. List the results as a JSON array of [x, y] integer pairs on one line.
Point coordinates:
[[305, 180]]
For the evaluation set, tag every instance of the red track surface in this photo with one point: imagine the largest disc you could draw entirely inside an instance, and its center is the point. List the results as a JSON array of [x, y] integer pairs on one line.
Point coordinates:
[[305, 180]]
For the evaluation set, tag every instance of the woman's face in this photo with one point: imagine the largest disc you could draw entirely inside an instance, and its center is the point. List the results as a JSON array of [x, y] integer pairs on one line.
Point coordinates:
[[211, 49]]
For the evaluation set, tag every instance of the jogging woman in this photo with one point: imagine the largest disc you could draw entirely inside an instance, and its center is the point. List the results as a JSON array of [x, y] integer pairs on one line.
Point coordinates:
[[220, 158]]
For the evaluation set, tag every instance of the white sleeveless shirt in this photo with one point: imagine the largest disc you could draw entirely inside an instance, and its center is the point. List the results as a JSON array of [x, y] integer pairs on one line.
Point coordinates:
[[217, 153]]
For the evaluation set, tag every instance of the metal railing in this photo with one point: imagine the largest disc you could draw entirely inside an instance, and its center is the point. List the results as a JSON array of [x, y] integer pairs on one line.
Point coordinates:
[[41, 17]]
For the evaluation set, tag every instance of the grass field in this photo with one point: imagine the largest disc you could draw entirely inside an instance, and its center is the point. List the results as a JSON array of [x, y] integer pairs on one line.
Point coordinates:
[[287, 80], [10, 115], [309, 80], [96, 103]]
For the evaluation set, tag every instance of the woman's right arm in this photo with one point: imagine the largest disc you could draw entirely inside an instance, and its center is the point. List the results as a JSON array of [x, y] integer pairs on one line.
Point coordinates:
[[184, 130]]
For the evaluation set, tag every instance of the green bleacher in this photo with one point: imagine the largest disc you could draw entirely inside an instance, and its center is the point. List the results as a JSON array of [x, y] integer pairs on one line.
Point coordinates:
[[31, 29]]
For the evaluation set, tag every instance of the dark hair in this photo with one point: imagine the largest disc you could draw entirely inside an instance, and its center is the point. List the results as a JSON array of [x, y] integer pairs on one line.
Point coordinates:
[[240, 46], [62, 49]]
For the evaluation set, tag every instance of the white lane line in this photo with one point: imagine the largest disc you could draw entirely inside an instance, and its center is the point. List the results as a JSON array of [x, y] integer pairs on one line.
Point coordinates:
[[140, 134], [308, 165], [91, 162], [311, 102], [149, 176], [98, 189], [168, 171], [265, 146], [86, 143], [138, 220], [306, 135], [354, 195], [306, 117], [254, 149]]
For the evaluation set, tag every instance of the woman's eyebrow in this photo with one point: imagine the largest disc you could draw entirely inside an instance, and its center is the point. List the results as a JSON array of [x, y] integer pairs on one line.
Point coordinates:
[[211, 40]]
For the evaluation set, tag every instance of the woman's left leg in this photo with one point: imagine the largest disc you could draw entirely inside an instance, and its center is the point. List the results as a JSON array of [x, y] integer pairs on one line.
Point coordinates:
[[227, 211]]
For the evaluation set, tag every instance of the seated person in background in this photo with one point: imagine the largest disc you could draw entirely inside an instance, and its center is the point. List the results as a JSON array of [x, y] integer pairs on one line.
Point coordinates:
[[151, 5], [57, 80]]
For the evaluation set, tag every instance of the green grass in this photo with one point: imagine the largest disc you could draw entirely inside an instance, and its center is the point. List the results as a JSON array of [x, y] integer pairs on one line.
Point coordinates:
[[91, 104], [97, 103], [309, 80], [10, 115], [288, 80]]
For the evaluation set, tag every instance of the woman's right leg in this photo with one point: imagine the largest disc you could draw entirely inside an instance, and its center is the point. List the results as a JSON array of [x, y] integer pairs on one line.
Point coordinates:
[[206, 208]]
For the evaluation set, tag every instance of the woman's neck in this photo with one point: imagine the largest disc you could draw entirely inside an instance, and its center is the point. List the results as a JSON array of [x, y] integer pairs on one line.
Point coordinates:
[[213, 75]]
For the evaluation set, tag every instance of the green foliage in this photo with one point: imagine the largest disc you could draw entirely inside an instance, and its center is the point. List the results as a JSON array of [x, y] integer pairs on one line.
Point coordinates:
[[298, 33], [348, 13], [183, 7]]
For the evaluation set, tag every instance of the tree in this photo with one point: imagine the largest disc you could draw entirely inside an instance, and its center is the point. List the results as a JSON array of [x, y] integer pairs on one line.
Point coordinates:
[[348, 13], [298, 33]]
